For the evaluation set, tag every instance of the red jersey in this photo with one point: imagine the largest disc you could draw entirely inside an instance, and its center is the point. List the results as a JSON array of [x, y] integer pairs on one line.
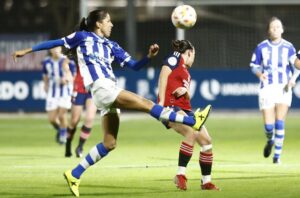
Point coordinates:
[[78, 82], [179, 77]]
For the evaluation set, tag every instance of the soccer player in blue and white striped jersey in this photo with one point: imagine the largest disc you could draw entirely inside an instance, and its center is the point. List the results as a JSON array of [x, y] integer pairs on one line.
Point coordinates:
[[95, 54], [58, 90], [272, 62]]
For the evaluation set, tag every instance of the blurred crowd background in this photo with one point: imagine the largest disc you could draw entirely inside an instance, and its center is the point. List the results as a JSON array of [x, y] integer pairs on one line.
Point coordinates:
[[225, 35]]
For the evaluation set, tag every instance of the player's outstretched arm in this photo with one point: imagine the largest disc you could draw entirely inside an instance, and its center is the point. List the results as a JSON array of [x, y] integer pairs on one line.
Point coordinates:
[[41, 46]]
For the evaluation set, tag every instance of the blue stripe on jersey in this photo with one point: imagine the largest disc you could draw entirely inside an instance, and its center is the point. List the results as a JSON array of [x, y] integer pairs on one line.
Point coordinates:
[[89, 65], [61, 89], [53, 89], [105, 50], [288, 71], [60, 69], [280, 74], [103, 68]]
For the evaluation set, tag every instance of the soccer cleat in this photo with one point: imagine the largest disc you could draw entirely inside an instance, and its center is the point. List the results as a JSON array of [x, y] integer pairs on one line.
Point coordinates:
[[209, 186], [78, 152], [268, 148], [180, 181], [201, 116], [73, 182], [276, 161]]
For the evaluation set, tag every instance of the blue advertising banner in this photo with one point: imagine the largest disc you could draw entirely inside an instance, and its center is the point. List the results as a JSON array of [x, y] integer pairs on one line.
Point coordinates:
[[224, 89]]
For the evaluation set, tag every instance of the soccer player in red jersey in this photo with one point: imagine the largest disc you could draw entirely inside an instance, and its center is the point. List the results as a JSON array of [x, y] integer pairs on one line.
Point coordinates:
[[174, 81], [80, 99]]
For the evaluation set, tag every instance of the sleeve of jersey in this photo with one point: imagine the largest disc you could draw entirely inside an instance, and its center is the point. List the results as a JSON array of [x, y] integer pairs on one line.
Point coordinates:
[[121, 56], [171, 61], [47, 45], [137, 65], [256, 59], [298, 54], [292, 55], [73, 40]]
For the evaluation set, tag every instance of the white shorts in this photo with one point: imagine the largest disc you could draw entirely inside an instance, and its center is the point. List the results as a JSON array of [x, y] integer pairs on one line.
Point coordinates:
[[104, 93], [55, 103], [271, 95]]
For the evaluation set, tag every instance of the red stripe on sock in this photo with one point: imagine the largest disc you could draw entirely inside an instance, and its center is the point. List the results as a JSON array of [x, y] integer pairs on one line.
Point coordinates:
[[206, 158], [186, 149]]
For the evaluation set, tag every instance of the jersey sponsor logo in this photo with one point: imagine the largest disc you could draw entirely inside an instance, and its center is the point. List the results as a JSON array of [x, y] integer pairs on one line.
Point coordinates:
[[211, 89], [172, 61]]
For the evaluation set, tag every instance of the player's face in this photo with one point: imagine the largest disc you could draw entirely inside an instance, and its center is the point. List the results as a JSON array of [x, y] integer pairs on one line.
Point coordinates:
[[275, 30], [191, 58], [55, 52], [106, 26]]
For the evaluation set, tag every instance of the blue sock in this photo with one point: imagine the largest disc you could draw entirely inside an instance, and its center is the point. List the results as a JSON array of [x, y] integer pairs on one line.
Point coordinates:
[[161, 113], [95, 154], [269, 130]]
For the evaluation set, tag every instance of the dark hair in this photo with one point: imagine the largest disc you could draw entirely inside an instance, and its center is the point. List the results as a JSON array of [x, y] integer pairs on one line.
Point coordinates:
[[182, 45], [89, 23], [273, 18]]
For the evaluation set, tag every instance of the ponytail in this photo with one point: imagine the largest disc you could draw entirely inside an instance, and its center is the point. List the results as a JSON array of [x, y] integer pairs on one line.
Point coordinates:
[[181, 45], [83, 25]]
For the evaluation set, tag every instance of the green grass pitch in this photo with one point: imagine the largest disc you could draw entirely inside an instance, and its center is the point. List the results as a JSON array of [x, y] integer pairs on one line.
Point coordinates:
[[145, 161]]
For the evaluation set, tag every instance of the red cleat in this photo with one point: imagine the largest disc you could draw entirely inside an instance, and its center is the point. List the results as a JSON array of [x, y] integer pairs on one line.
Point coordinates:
[[209, 186], [180, 181]]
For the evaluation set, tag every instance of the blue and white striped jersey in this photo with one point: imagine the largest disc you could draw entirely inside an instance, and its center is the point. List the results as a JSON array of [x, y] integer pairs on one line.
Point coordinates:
[[275, 61], [53, 69], [95, 55]]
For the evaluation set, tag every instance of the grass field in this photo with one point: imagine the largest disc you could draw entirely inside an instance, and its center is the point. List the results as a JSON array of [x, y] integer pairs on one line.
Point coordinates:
[[145, 161]]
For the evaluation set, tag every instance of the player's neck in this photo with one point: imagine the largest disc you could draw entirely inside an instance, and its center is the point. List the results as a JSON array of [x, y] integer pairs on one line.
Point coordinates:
[[276, 40]]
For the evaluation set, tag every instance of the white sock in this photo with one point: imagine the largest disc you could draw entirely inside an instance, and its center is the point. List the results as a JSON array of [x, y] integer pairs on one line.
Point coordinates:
[[206, 179], [181, 170]]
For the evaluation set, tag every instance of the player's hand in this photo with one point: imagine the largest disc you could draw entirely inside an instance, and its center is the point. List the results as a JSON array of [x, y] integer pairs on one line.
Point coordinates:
[[180, 91], [262, 77], [289, 86], [153, 50], [20, 53]]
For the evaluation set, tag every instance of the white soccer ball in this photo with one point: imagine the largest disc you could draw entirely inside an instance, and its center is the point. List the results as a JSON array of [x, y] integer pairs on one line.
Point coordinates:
[[184, 17]]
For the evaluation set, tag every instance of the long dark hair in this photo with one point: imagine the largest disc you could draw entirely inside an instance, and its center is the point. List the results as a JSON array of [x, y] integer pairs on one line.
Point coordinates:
[[182, 45], [87, 24]]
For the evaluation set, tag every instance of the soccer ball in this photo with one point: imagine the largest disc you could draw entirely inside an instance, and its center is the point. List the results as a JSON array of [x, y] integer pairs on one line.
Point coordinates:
[[184, 17]]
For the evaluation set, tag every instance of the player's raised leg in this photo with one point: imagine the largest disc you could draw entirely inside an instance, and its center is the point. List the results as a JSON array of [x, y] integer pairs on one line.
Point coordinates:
[[129, 100]]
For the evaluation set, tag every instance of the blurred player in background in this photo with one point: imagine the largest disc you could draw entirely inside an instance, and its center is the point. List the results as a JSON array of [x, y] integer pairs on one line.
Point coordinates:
[[95, 54], [272, 62], [81, 98], [296, 73], [174, 83], [57, 77]]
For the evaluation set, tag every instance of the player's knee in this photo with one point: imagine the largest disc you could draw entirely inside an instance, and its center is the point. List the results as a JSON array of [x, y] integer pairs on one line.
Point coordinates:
[[269, 127], [206, 148]]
